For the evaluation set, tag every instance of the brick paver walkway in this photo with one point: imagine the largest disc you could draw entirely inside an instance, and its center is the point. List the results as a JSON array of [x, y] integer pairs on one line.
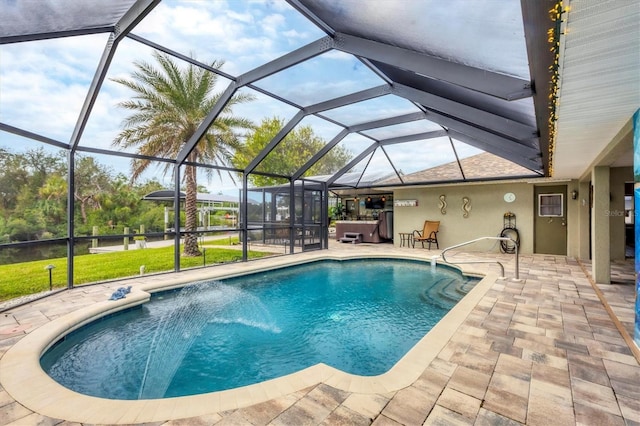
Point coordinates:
[[543, 351]]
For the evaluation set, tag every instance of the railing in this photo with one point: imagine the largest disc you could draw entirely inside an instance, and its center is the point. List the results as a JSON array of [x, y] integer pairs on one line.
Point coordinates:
[[486, 261]]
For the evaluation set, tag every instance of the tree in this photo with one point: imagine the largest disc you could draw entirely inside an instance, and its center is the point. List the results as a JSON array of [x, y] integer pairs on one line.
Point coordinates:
[[34, 192], [125, 207], [26, 170], [169, 105], [27, 203], [13, 177], [53, 201], [290, 154], [92, 185]]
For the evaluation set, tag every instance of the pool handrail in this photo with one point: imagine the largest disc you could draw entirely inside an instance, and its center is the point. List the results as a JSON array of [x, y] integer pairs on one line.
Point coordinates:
[[517, 277]]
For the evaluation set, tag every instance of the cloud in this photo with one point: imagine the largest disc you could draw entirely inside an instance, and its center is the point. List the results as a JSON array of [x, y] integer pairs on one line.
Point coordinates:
[[271, 24], [245, 18], [44, 84]]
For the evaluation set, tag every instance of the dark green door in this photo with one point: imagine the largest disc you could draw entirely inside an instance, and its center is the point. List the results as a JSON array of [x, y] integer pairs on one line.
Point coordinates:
[[550, 219]]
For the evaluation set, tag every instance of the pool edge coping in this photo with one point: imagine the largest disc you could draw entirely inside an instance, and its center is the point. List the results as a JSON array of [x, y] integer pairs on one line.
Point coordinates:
[[23, 378]]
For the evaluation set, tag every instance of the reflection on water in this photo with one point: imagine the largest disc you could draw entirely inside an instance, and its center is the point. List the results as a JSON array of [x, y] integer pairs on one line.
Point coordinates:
[[54, 250], [37, 252]]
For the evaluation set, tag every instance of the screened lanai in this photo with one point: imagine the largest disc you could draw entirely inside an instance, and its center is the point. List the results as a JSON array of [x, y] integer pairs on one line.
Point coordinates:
[[311, 97]]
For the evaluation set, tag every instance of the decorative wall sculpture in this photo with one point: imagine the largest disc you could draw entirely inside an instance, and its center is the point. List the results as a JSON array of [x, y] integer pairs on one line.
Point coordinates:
[[442, 204], [466, 207]]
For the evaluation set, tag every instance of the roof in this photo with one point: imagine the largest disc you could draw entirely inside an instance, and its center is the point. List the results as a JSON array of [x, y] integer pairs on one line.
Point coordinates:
[[480, 166], [168, 195]]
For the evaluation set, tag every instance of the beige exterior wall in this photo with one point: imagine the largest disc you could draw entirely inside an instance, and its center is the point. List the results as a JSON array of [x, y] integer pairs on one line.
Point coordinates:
[[618, 177], [485, 218], [600, 240], [580, 248], [575, 208], [488, 208]]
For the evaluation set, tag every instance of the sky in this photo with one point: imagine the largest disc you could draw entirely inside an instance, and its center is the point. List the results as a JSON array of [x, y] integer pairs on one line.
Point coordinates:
[[43, 84]]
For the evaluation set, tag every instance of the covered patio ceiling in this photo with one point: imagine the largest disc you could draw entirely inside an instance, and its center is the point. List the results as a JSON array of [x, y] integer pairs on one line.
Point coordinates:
[[406, 86], [600, 87]]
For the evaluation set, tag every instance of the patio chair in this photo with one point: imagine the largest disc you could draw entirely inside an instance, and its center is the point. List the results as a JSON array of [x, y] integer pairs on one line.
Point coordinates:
[[429, 233]]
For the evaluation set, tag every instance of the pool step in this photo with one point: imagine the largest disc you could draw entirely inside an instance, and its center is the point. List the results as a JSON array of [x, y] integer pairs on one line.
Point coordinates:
[[468, 285], [351, 237], [446, 292]]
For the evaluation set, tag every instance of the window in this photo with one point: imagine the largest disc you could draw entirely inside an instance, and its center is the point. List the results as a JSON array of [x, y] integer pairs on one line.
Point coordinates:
[[550, 205]]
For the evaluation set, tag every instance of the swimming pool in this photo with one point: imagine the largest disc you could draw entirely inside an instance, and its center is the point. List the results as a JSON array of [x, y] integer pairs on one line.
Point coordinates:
[[357, 316], [22, 377]]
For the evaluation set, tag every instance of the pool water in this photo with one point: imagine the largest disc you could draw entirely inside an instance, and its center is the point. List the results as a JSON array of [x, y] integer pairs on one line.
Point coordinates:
[[359, 316]]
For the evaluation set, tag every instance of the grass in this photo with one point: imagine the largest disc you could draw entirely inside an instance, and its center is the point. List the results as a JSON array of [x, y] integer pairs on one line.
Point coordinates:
[[231, 241], [21, 279]]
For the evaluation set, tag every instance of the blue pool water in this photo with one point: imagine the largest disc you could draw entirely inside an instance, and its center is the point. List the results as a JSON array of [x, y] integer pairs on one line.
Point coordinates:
[[360, 316]]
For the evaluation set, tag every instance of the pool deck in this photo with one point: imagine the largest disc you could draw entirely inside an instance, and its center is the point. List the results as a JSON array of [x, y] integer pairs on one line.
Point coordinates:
[[552, 348]]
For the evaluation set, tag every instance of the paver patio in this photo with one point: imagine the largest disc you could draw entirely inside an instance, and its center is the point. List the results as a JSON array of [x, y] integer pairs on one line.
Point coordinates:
[[541, 351]]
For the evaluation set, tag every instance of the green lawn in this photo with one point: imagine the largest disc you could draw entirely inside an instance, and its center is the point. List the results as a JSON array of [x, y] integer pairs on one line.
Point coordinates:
[[19, 279]]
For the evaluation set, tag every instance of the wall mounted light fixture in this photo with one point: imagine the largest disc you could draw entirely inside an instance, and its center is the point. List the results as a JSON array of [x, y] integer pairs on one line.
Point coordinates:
[[574, 195]]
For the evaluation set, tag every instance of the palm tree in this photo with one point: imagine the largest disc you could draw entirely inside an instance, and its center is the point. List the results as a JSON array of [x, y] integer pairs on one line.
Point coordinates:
[[168, 106]]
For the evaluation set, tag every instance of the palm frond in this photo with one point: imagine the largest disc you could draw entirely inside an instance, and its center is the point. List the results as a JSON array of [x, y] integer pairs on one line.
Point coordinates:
[[168, 105]]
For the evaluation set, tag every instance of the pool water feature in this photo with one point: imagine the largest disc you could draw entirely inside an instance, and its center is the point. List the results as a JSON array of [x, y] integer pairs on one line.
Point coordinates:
[[358, 316], [184, 321]]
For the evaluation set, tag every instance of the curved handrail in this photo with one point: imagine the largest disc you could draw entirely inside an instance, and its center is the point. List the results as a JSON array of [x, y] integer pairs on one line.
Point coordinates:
[[486, 261]]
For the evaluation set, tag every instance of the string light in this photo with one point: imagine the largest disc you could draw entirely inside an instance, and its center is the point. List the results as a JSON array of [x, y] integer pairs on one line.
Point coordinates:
[[553, 38]]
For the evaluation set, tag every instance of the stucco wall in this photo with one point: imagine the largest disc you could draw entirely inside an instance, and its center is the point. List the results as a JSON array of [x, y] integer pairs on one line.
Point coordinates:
[[578, 220], [485, 218], [617, 179]]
